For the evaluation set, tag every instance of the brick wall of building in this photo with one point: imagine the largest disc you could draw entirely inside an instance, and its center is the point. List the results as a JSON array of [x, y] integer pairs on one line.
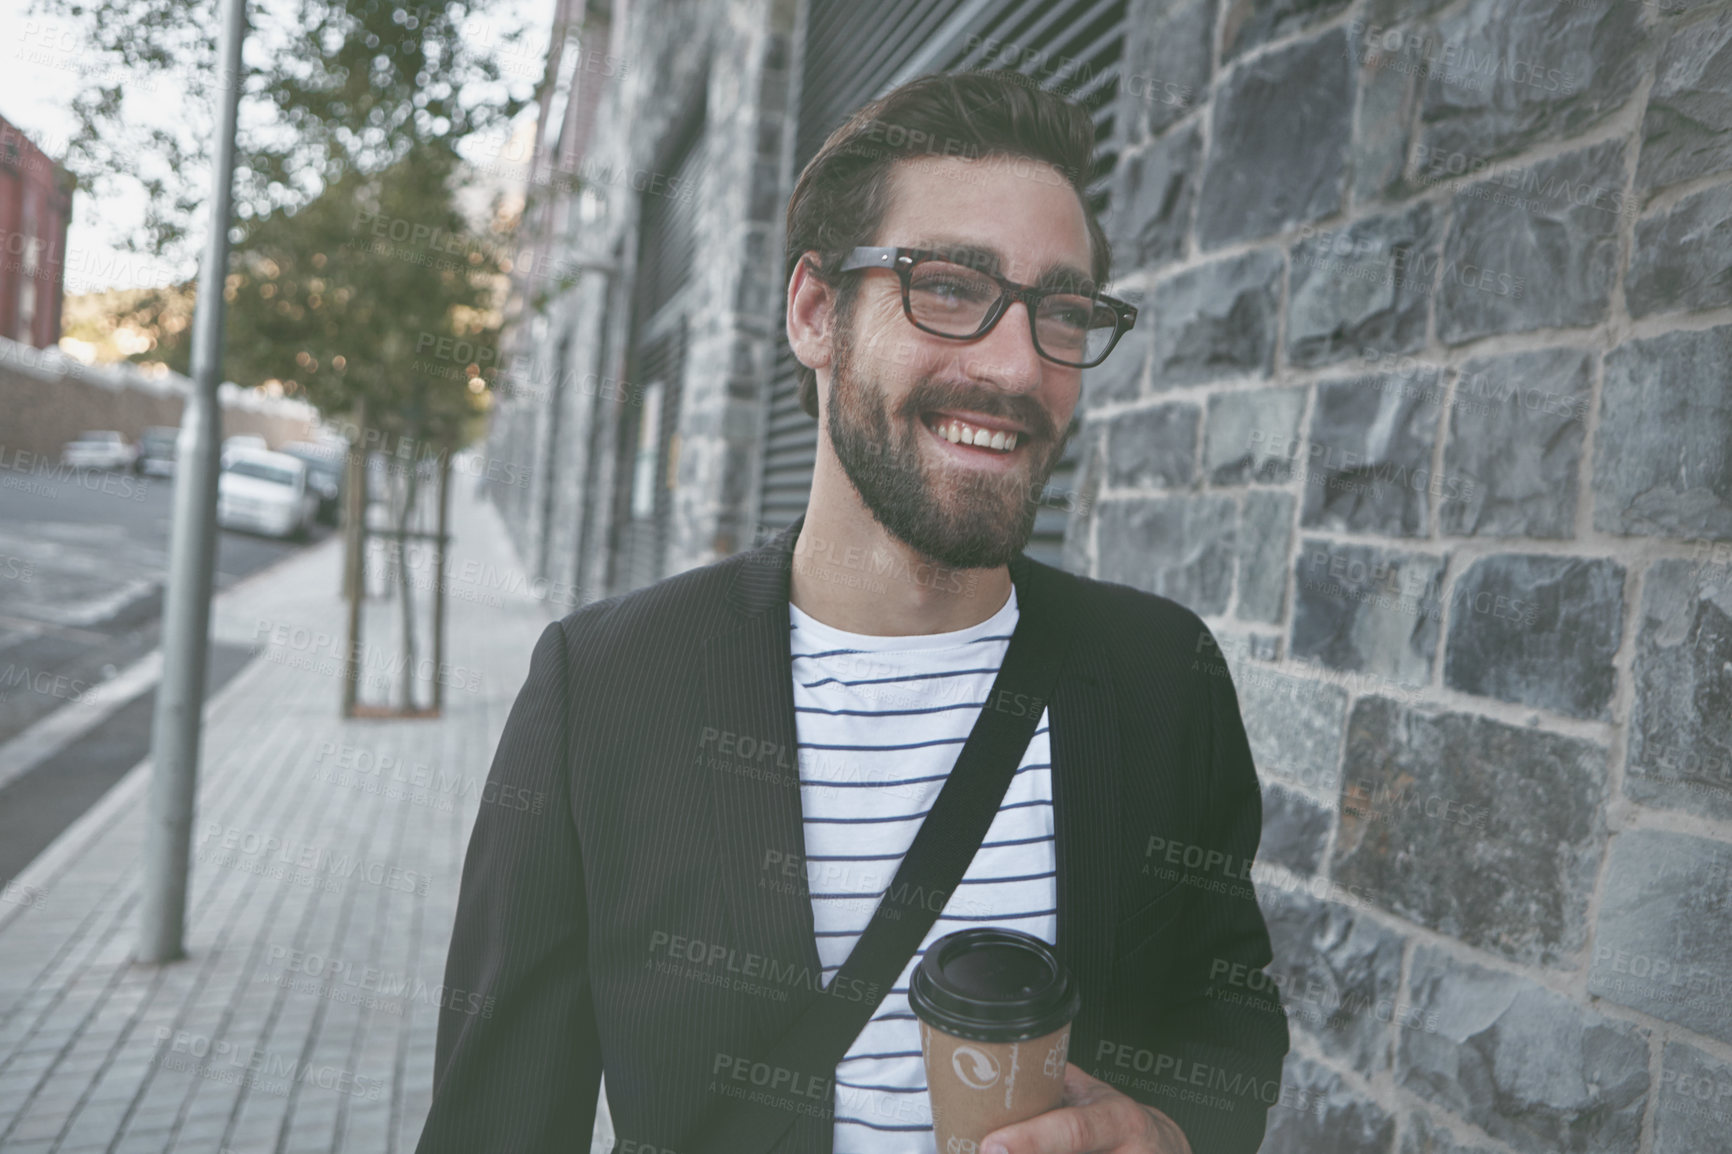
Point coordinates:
[[1429, 414]]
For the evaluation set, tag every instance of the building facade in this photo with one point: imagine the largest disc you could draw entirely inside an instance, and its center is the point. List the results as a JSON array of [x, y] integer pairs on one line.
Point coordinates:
[[1428, 416], [35, 210]]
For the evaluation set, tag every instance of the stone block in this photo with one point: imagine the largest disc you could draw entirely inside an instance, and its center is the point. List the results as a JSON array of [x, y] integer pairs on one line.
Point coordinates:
[[1179, 547], [1368, 460], [1663, 451], [1339, 974], [1215, 321], [1488, 833], [1533, 248], [1279, 153], [1388, 93], [1120, 376], [1682, 258], [1153, 448], [1294, 727], [1538, 630], [1693, 1105], [1503, 75], [1528, 1066], [1423, 1136], [1246, 433], [1516, 427], [1367, 609], [1680, 752], [1687, 126], [1155, 190], [1319, 1111], [1295, 830], [1166, 70], [1356, 287], [1265, 535], [1664, 921], [1249, 23]]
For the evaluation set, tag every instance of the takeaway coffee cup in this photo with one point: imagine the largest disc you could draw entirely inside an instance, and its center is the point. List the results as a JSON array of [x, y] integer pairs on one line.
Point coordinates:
[[995, 1008]]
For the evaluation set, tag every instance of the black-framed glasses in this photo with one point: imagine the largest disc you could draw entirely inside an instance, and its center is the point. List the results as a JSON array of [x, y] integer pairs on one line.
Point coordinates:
[[946, 297]]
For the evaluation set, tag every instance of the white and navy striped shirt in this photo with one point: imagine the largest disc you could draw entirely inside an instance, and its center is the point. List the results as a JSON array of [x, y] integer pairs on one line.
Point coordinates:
[[880, 722]]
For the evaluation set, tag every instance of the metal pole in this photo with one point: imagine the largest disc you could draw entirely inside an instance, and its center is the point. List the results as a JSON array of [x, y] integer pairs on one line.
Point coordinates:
[[174, 735]]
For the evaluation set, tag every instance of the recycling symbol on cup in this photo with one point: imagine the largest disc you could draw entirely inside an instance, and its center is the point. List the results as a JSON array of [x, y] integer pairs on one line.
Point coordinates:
[[975, 1068]]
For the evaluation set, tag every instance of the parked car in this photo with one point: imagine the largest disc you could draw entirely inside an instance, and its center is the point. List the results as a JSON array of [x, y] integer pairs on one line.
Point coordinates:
[[99, 449], [324, 474], [156, 449], [243, 441], [264, 492]]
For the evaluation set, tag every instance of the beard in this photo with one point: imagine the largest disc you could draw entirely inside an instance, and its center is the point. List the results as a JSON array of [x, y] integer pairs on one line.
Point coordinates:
[[956, 517]]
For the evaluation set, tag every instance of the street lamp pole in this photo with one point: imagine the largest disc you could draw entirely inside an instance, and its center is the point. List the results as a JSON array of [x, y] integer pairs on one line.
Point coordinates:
[[174, 735]]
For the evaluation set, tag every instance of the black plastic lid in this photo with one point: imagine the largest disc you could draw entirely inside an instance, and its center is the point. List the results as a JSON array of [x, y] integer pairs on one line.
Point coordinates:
[[990, 984]]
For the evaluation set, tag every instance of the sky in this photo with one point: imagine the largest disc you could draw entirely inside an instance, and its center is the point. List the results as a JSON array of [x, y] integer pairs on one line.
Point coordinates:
[[40, 60]]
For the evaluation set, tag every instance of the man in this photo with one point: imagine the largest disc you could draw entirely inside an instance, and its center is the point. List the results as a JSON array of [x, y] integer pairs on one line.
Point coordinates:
[[690, 886]]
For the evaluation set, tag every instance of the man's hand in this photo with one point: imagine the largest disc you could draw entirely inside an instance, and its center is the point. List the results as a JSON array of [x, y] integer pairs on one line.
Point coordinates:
[[1092, 1118]]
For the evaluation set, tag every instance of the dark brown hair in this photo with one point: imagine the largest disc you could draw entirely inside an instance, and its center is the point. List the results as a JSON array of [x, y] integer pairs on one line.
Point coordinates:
[[844, 191]]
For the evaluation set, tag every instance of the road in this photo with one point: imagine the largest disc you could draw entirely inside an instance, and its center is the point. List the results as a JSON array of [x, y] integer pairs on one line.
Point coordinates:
[[83, 558]]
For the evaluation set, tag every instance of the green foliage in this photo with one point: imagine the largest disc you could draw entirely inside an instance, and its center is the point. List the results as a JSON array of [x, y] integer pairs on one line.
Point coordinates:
[[351, 115], [325, 299]]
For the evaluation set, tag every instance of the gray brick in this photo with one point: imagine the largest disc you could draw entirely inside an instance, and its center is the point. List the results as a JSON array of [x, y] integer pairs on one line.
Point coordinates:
[[1319, 1111], [1506, 74], [1155, 189], [1360, 286], [1388, 94], [1488, 833], [1534, 248], [1250, 434], [1279, 155], [1294, 727], [1135, 540], [1687, 126], [1216, 321], [1366, 609], [1682, 258], [1295, 829], [1516, 429], [1538, 630], [1253, 22], [1265, 536], [1166, 69], [1524, 1064], [1680, 752], [1368, 461], [1663, 452], [1153, 447], [1693, 1109], [1664, 921], [1340, 979]]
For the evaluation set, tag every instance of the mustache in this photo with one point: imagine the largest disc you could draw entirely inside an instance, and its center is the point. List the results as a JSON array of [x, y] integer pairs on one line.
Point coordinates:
[[1022, 409]]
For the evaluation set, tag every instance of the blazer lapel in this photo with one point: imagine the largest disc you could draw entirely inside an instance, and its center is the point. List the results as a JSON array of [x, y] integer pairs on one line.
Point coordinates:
[[1084, 738], [755, 786]]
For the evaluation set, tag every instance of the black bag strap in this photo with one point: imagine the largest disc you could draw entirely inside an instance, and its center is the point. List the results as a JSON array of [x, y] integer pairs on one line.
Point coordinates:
[[949, 836]]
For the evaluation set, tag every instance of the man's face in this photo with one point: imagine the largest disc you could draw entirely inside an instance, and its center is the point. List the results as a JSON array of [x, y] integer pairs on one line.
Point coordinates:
[[895, 390]]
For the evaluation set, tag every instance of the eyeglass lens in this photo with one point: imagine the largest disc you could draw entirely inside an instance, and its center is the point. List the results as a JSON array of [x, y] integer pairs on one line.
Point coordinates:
[[953, 299]]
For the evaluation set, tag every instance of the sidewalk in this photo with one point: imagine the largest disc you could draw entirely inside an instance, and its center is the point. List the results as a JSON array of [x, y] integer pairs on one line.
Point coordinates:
[[326, 859]]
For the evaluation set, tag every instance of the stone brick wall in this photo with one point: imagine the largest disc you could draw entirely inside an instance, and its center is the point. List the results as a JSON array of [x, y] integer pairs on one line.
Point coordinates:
[[735, 59], [1429, 415], [47, 400]]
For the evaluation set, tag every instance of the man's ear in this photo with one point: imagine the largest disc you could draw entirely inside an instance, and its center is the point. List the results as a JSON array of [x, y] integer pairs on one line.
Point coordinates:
[[811, 315]]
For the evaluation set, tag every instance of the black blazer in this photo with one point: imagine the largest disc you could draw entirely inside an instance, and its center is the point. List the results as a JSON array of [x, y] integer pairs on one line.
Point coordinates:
[[628, 901]]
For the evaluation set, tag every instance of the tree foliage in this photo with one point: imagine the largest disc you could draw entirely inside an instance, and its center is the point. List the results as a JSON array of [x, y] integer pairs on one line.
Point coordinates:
[[352, 112]]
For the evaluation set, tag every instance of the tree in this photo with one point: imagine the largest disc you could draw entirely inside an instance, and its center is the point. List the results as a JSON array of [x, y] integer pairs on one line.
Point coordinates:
[[331, 87]]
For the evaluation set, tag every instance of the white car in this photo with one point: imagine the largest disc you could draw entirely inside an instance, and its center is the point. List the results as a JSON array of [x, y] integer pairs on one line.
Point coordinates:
[[99, 449], [264, 492]]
